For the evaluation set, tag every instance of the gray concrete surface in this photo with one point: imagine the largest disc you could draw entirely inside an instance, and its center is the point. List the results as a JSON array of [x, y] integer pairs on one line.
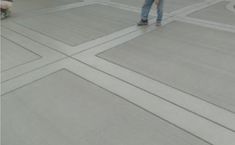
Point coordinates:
[[28, 6], [82, 73], [15, 55], [80, 24], [217, 13], [194, 57], [76, 111]]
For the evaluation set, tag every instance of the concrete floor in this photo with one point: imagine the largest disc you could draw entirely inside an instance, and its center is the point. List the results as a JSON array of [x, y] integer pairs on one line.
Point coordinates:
[[82, 73]]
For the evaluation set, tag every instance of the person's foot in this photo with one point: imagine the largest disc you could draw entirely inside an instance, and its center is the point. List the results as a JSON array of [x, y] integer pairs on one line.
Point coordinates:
[[142, 22], [5, 13], [158, 23]]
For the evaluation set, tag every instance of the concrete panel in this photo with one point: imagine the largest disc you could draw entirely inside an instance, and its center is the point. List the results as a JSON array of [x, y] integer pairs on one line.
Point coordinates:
[[79, 25], [194, 59], [217, 13], [64, 109], [20, 54], [26, 6], [170, 5], [14, 55]]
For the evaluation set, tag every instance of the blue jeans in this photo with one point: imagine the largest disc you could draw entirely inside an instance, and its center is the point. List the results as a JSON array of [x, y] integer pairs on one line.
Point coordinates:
[[146, 9]]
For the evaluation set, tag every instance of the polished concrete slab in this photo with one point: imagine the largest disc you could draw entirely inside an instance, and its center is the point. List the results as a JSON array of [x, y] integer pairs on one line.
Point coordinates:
[[81, 72], [14, 55], [21, 55], [218, 13], [29, 6], [78, 25], [169, 5], [195, 62], [63, 108]]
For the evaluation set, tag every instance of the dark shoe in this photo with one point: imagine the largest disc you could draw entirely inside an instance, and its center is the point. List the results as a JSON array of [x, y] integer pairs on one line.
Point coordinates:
[[142, 23]]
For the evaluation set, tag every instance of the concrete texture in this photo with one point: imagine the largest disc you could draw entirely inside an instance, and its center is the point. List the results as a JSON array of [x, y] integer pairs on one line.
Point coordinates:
[[29, 6], [217, 13], [194, 62], [66, 109], [14, 55], [78, 25], [82, 73]]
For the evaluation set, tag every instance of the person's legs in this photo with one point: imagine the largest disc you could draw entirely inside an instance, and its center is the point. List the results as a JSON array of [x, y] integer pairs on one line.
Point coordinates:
[[146, 9], [145, 12], [160, 11]]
